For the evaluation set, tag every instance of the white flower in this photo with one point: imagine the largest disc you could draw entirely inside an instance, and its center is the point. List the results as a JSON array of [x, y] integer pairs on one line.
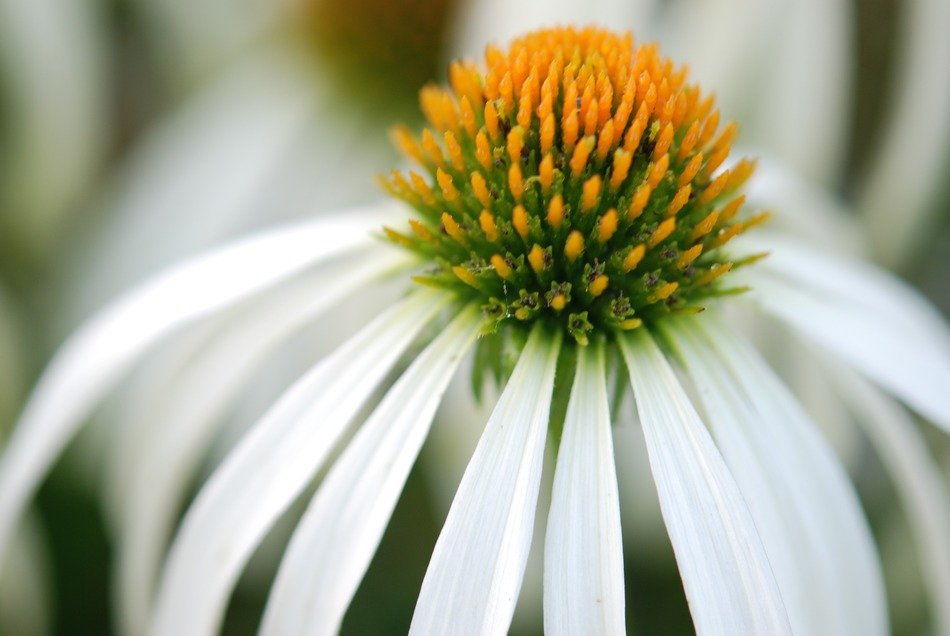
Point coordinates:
[[768, 532]]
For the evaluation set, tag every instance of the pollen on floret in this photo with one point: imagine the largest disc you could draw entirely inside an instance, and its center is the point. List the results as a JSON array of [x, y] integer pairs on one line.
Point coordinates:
[[519, 219], [662, 231], [515, 182], [487, 222], [621, 168], [607, 225], [574, 246], [452, 228], [480, 189], [555, 214], [446, 185], [591, 193], [501, 266], [577, 178], [633, 257], [546, 173], [682, 196], [598, 285], [537, 259], [580, 156]]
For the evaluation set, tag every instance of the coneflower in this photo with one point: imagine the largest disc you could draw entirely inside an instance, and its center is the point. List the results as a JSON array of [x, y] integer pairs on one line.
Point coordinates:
[[572, 221]]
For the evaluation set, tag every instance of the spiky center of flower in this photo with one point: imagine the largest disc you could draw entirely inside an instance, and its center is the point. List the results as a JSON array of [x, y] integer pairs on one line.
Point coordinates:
[[575, 180]]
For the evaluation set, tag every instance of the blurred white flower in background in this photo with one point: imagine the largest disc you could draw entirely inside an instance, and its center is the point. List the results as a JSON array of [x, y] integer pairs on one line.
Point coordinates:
[[11, 364], [55, 125], [907, 170], [25, 602]]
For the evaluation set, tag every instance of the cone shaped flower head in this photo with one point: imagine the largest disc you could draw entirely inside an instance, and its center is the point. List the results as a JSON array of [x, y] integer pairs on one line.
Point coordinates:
[[571, 211], [575, 181]]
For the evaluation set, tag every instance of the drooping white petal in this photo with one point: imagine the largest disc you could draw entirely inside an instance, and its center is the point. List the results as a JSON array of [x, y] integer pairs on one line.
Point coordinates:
[[95, 358], [179, 419], [338, 535], [271, 465], [187, 366], [583, 551], [919, 483], [848, 281], [476, 568], [726, 574], [130, 431], [808, 515], [789, 547], [910, 167], [817, 476], [904, 348]]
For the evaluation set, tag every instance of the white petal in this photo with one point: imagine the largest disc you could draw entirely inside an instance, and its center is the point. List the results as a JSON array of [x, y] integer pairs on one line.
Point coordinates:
[[904, 348], [95, 358], [130, 429], [206, 358], [848, 281], [271, 465], [726, 574], [338, 535], [476, 568], [583, 551], [178, 420], [808, 515], [919, 483], [898, 193]]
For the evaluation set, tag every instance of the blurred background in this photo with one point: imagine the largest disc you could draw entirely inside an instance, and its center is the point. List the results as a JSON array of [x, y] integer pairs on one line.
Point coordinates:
[[137, 132]]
